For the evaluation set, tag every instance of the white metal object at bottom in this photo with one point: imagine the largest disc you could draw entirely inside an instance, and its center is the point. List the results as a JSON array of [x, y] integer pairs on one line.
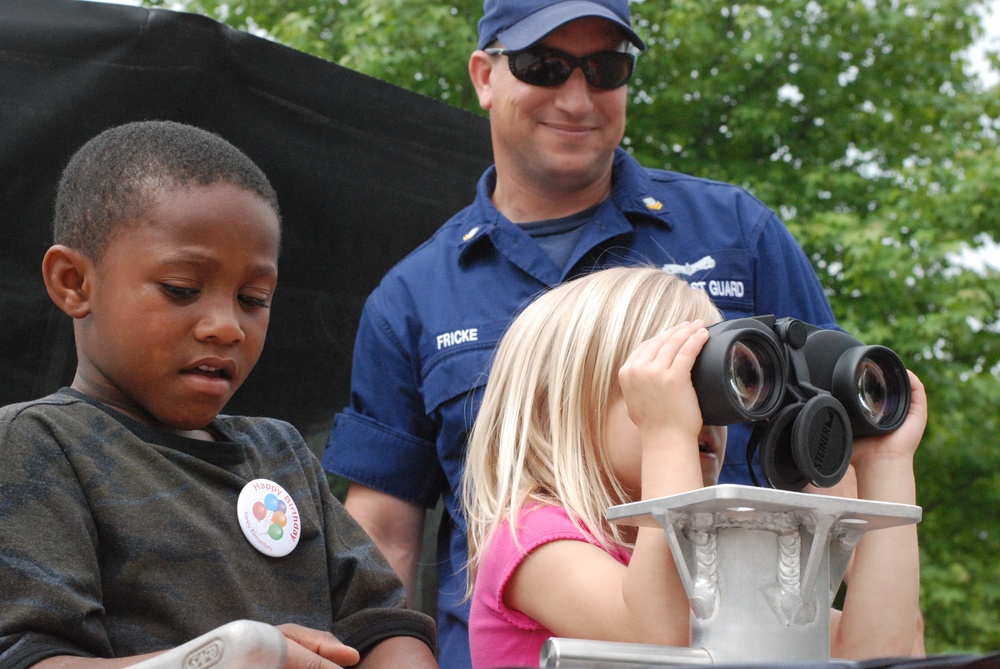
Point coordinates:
[[760, 566], [240, 644], [585, 654]]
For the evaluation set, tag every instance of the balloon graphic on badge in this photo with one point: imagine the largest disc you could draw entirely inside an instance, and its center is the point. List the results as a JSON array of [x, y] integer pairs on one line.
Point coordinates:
[[259, 510], [268, 517]]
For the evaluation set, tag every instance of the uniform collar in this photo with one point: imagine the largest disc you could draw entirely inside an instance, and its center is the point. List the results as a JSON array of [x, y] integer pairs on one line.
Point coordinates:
[[632, 193]]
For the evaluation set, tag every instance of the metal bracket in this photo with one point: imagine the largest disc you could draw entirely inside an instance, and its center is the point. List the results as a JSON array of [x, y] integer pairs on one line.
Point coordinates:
[[760, 566]]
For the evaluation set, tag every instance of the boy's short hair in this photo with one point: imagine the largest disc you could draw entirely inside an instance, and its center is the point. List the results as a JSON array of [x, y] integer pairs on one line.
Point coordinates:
[[111, 181]]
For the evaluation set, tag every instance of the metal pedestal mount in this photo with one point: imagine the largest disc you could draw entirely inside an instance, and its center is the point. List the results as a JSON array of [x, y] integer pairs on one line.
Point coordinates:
[[760, 566]]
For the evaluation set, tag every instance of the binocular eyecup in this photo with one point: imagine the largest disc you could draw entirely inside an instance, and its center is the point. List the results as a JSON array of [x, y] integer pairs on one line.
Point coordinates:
[[808, 391]]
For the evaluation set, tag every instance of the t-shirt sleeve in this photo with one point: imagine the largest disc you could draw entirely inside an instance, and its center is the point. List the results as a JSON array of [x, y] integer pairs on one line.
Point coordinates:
[[369, 600], [48, 557], [536, 527]]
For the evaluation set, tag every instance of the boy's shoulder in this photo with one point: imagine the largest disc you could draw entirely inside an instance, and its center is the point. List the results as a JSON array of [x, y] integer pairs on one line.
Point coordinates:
[[67, 407], [40, 406], [60, 422], [68, 419]]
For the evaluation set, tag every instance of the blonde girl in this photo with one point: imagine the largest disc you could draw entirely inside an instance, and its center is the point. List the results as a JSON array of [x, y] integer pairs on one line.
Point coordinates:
[[590, 405], [571, 424]]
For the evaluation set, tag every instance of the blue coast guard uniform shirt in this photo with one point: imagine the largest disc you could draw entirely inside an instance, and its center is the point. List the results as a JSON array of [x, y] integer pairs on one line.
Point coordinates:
[[428, 331]]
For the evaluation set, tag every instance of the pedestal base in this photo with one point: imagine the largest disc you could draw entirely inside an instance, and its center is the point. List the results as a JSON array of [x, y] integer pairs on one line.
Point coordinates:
[[760, 566]]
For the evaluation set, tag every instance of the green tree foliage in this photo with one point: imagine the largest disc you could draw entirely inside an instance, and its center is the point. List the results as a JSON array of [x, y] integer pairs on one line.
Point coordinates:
[[856, 121]]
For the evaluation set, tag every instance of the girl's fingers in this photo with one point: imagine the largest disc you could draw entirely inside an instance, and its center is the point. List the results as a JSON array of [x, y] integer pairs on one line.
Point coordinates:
[[664, 347], [659, 368], [688, 347]]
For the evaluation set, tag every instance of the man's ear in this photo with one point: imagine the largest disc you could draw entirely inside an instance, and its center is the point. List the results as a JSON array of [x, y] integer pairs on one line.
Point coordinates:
[[480, 70], [67, 274]]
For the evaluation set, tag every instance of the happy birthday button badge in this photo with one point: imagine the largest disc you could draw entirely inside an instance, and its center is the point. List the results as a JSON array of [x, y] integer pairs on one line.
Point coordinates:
[[268, 517]]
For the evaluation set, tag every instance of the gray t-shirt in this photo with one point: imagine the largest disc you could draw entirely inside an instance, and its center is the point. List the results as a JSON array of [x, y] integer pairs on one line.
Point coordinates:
[[121, 539]]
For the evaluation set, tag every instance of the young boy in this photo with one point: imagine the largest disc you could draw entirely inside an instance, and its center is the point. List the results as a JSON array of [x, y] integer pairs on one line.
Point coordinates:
[[135, 517]]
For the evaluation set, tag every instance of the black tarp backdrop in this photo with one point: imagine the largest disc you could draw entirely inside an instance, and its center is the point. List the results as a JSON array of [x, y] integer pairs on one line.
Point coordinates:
[[364, 171]]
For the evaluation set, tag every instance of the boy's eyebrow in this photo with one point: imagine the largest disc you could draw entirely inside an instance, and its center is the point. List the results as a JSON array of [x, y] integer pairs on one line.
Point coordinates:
[[189, 257]]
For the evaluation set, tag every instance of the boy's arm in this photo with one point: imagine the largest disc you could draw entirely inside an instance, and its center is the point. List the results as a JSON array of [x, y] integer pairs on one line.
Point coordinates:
[[882, 605]]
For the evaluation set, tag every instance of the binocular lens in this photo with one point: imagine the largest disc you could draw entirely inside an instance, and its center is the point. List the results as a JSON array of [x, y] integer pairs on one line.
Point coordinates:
[[871, 383], [740, 373], [747, 377], [874, 396]]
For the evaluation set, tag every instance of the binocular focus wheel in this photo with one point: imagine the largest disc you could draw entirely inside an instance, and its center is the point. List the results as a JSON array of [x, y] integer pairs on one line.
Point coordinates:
[[807, 443]]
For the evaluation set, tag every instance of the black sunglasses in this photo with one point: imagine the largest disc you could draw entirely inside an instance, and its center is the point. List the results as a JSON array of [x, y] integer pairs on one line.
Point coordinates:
[[543, 66]]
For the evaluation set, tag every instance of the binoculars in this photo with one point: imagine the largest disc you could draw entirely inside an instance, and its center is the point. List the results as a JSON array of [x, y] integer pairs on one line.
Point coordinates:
[[808, 391]]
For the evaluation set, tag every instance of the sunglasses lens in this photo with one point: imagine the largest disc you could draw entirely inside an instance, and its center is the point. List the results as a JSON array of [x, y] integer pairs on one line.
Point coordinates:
[[605, 70], [540, 68], [608, 70]]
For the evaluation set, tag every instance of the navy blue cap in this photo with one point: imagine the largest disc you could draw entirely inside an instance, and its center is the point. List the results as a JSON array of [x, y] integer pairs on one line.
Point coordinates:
[[521, 23]]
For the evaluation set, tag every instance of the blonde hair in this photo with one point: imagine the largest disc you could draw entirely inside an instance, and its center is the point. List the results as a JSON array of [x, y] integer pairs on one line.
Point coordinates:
[[539, 434]]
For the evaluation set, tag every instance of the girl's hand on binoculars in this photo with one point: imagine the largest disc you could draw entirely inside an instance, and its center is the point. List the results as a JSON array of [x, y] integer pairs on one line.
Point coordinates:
[[884, 465], [656, 380], [904, 441]]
